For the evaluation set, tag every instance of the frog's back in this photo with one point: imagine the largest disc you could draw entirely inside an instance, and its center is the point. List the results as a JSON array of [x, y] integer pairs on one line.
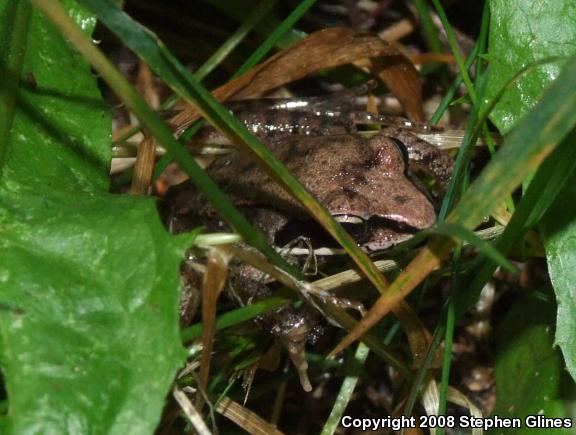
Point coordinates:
[[347, 173]]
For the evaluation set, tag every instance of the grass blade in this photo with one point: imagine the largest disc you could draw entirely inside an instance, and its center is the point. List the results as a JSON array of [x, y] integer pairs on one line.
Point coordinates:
[[225, 49], [346, 391], [273, 39], [176, 76]]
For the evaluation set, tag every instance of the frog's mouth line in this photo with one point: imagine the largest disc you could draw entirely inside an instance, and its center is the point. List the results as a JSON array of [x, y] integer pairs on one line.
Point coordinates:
[[364, 233]]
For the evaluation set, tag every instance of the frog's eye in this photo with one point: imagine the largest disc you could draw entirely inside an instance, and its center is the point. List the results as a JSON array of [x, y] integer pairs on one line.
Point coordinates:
[[402, 147]]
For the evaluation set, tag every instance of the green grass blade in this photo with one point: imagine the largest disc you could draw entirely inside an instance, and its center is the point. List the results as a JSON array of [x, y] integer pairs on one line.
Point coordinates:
[[346, 390], [455, 50], [225, 49], [273, 39], [451, 92], [148, 47], [446, 363], [237, 10], [477, 50], [236, 317], [460, 166], [428, 28]]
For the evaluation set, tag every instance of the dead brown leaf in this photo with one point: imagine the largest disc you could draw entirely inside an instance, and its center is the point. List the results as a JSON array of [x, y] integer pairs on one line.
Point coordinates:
[[321, 50], [214, 281]]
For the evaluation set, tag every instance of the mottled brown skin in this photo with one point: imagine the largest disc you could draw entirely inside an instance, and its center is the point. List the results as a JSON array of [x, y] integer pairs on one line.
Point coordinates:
[[349, 174]]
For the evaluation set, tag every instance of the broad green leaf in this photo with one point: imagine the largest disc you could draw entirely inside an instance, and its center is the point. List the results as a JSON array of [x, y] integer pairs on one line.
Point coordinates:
[[528, 368], [559, 228], [88, 280], [521, 33], [54, 85], [91, 344]]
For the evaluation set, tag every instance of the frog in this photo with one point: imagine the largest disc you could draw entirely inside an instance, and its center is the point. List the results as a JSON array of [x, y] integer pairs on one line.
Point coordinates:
[[367, 184], [361, 181]]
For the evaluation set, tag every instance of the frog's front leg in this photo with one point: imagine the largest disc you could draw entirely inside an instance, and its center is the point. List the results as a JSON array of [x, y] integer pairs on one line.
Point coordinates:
[[294, 328]]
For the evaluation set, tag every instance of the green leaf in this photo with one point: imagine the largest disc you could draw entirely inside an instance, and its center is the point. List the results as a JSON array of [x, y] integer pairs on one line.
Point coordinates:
[[88, 280], [559, 229], [92, 343], [528, 369], [44, 99], [521, 33]]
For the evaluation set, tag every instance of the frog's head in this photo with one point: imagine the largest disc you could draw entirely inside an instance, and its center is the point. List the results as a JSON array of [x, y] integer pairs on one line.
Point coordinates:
[[375, 199]]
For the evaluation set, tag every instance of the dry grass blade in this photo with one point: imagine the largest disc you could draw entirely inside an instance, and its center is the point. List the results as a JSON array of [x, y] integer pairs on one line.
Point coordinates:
[[430, 398], [419, 338], [214, 281], [144, 166], [245, 418], [146, 156], [460, 399], [190, 412], [323, 49]]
